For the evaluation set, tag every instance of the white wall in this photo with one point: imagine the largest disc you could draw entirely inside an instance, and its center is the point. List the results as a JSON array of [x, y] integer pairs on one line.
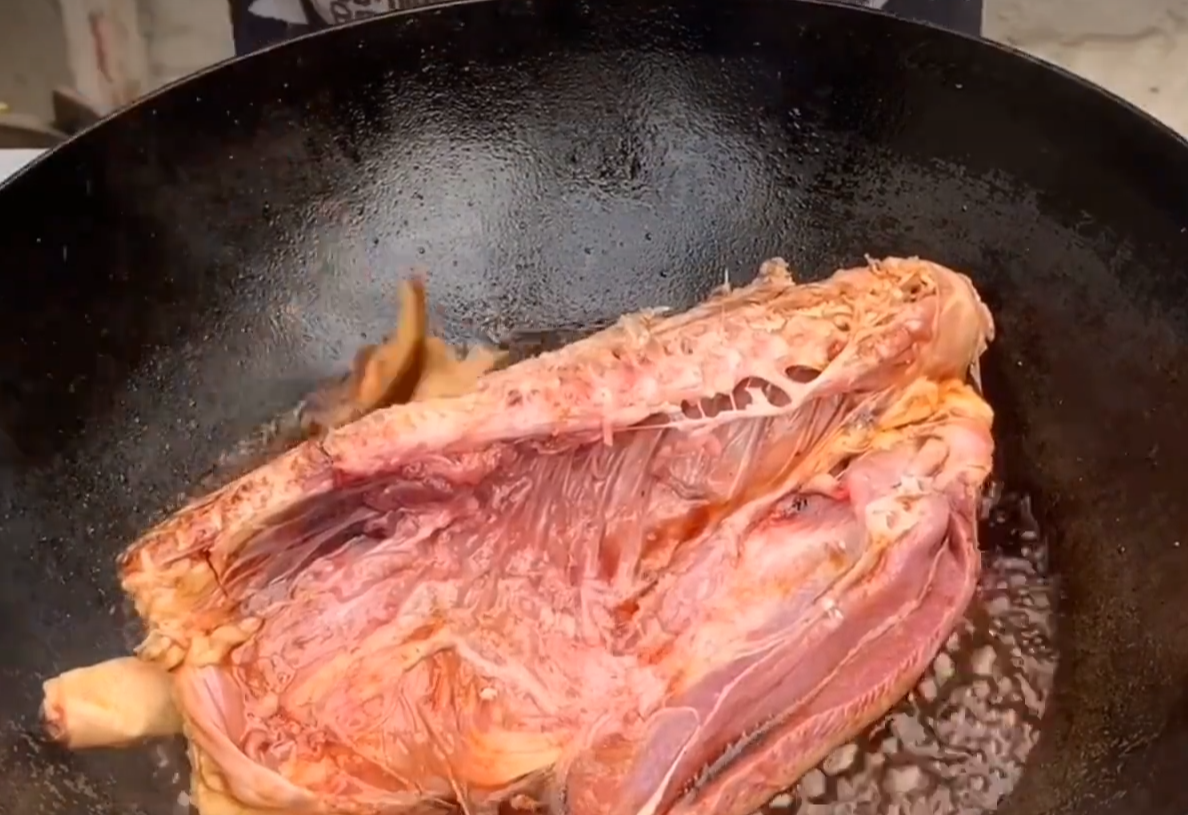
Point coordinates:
[[32, 54], [1136, 48], [184, 36]]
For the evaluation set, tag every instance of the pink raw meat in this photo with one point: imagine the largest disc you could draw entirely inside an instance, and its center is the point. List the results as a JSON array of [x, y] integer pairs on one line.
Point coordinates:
[[663, 570]]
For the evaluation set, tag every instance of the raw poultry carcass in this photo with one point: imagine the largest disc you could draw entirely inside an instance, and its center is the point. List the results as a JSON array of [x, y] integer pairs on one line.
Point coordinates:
[[662, 570]]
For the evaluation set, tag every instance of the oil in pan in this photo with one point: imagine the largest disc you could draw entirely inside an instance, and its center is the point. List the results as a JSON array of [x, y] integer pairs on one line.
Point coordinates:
[[959, 741]]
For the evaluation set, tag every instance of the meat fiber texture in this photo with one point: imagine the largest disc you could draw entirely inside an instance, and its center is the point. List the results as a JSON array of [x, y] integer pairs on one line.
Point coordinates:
[[664, 569]]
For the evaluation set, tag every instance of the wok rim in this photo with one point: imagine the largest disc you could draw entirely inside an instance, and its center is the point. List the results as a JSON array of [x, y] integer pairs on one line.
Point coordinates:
[[1141, 116]]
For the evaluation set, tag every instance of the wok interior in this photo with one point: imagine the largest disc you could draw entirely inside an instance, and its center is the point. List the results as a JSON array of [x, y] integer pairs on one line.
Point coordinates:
[[187, 270]]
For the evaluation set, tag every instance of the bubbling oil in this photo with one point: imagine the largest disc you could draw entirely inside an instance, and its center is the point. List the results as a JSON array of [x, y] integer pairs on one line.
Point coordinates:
[[959, 741]]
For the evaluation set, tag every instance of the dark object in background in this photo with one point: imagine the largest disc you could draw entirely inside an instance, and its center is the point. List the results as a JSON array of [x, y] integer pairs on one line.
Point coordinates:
[[72, 112], [253, 32], [184, 272], [964, 16]]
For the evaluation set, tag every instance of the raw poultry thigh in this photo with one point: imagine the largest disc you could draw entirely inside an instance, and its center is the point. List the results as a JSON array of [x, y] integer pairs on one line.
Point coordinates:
[[664, 569]]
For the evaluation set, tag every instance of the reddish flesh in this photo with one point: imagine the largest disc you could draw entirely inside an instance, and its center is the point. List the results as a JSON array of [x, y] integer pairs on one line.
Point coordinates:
[[659, 611]]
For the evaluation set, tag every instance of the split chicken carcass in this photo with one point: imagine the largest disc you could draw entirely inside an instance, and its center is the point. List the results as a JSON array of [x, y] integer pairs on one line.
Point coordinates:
[[663, 570]]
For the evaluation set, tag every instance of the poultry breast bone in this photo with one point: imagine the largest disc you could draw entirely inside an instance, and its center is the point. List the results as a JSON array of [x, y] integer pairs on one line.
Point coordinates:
[[662, 570]]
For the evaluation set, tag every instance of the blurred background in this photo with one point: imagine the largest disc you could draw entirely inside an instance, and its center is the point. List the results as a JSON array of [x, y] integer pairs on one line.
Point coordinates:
[[98, 54]]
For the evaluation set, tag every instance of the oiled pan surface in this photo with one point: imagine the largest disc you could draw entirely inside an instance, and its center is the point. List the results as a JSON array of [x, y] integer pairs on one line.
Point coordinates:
[[180, 274]]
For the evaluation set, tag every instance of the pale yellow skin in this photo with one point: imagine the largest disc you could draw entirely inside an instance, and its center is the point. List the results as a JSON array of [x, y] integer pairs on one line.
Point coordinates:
[[126, 700]]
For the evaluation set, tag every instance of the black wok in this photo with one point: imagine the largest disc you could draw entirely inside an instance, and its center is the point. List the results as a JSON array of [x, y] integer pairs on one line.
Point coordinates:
[[187, 269]]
